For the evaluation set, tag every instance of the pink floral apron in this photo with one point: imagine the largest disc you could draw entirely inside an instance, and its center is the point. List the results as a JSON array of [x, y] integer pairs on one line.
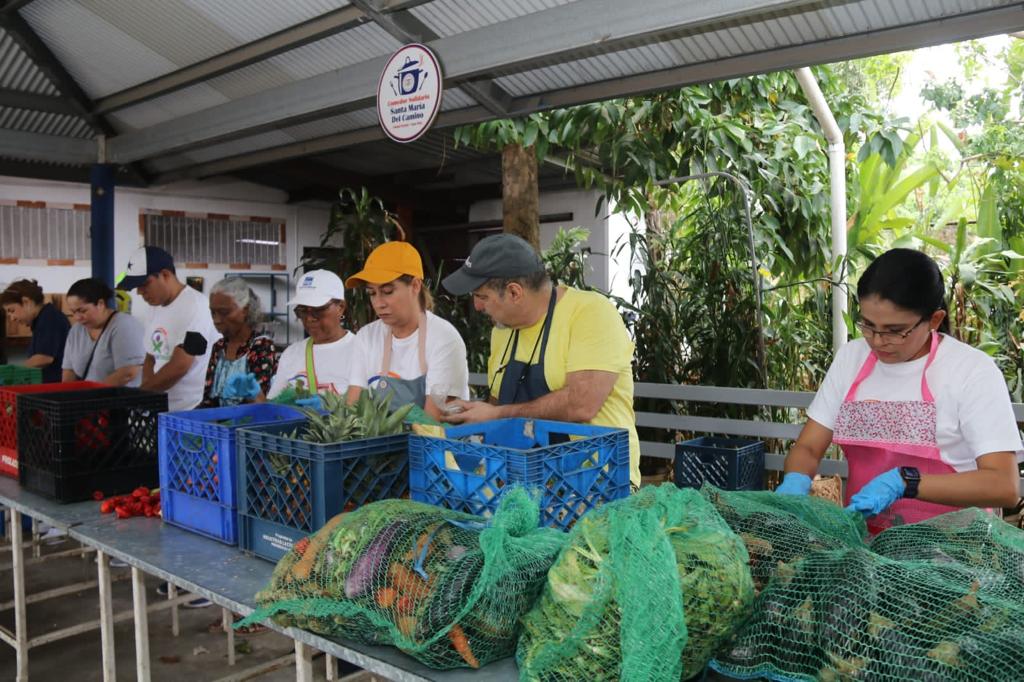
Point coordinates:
[[878, 435]]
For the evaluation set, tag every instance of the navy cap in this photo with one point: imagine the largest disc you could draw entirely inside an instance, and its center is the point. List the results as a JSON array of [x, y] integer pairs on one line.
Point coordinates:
[[149, 260], [503, 256]]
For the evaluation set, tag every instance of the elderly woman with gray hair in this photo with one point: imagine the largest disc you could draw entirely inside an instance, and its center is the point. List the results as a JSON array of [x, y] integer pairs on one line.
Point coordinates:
[[242, 362]]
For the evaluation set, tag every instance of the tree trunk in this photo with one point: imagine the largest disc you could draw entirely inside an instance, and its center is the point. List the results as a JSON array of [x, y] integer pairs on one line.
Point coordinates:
[[520, 193]]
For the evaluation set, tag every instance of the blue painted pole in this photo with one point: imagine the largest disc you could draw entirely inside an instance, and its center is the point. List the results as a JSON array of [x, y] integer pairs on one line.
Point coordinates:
[[101, 180]]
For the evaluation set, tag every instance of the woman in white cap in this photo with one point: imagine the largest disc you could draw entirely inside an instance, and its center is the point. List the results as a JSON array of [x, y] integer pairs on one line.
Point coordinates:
[[321, 362], [408, 352]]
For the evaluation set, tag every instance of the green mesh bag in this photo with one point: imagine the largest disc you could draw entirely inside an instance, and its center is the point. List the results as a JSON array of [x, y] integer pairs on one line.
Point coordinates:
[[779, 529], [445, 587], [941, 600], [647, 589]]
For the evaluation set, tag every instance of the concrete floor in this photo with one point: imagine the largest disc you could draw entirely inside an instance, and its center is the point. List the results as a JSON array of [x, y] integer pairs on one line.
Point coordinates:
[[198, 654]]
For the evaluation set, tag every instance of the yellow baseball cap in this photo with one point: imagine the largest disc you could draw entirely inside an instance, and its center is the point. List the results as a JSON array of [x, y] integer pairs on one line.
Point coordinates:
[[388, 262]]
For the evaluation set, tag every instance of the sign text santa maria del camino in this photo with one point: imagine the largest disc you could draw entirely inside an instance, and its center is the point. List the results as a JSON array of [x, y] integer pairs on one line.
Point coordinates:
[[409, 93]]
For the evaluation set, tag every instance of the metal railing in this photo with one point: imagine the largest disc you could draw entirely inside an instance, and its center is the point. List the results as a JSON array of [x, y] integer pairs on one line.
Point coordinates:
[[728, 397]]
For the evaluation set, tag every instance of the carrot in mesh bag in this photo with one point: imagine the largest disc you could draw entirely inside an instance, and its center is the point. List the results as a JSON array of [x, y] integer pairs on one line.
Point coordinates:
[[648, 588], [445, 587], [942, 599]]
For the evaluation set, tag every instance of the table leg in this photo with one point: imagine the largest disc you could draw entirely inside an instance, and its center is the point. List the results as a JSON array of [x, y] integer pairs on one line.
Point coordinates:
[[141, 626], [106, 619], [37, 542], [172, 593], [303, 662], [332, 667], [20, 614], [228, 621]]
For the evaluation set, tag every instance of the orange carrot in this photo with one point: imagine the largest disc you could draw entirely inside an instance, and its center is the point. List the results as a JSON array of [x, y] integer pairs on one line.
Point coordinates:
[[304, 566], [461, 644], [386, 597]]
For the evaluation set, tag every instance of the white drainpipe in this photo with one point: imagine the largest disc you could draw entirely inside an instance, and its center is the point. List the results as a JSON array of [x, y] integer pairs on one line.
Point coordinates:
[[837, 173]]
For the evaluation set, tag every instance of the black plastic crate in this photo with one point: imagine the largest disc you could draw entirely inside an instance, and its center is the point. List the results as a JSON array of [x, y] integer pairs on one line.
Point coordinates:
[[71, 444], [726, 463]]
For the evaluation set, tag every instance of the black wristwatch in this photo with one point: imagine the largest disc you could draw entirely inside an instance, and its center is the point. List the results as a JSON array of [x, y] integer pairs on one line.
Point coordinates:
[[912, 478]]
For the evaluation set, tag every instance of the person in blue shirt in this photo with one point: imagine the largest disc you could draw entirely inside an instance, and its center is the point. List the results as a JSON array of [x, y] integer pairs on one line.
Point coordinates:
[[23, 302]]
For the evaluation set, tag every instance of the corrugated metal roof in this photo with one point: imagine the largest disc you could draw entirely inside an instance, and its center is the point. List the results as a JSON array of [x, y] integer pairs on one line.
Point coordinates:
[[18, 72], [107, 49], [61, 125], [449, 17], [354, 46], [773, 32]]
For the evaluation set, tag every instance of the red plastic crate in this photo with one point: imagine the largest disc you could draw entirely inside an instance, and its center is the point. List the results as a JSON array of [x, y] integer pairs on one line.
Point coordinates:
[[9, 417]]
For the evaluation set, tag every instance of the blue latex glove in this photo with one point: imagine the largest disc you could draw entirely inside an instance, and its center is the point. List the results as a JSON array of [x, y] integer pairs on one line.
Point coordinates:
[[878, 494], [794, 483], [241, 387], [312, 402]]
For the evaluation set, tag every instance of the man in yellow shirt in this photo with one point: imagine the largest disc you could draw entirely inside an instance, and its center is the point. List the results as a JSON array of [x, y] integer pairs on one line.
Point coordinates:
[[556, 352]]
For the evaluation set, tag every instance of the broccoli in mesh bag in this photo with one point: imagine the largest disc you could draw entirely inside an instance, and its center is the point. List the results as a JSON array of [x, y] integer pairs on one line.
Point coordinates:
[[646, 589], [937, 600], [445, 587]]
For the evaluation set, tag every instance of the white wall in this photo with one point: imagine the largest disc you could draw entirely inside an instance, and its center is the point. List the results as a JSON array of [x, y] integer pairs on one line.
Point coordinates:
[[581, 204], [304, 224]]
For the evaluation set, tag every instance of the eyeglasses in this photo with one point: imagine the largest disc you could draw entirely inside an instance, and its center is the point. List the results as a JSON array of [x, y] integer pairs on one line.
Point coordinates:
[[305, 312], [892, 338]]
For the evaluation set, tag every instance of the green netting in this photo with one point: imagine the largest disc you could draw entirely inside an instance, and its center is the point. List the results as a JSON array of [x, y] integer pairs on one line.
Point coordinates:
[[445, 587], [780, 529], [647, 589], [938, 600]]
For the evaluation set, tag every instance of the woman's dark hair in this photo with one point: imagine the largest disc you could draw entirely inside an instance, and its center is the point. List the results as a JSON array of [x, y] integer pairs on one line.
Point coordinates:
[[910, 280], [23, 288], [91, 290]]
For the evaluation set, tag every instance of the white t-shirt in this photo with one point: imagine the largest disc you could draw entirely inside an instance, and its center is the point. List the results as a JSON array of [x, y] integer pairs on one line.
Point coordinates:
[[189, 312], [974, 415], [445, 351], [331, 362]]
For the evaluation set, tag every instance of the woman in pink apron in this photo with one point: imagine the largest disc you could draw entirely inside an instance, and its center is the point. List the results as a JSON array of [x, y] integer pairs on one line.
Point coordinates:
[[924, 421]]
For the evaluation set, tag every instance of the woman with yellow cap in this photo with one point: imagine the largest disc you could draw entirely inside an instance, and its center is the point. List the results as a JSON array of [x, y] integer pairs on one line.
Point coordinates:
[[408, 351]]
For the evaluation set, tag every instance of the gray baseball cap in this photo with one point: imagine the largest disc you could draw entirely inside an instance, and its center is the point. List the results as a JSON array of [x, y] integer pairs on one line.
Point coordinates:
[[503, 256]]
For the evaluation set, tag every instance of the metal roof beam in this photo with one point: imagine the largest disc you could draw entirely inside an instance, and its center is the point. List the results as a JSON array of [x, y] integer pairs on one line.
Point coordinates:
[[565, 32], [313, 147], [277, 43], [51, 148], [51, 104], [407, 28]]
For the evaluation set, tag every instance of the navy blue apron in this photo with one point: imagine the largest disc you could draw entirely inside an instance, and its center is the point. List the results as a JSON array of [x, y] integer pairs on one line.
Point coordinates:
[[521, 381]]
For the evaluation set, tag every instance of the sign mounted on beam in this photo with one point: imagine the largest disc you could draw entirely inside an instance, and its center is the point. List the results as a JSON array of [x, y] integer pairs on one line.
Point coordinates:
[[409, 93]]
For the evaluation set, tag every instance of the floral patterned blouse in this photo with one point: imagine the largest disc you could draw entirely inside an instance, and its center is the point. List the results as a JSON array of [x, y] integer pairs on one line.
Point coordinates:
[[261, 358]]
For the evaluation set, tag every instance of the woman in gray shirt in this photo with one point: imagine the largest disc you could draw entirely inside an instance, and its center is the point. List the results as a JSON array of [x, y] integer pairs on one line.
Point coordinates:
[[104, 345]]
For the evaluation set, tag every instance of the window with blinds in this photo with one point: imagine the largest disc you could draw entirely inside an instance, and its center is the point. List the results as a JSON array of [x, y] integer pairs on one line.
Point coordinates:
[[214, 238], [37, 230]]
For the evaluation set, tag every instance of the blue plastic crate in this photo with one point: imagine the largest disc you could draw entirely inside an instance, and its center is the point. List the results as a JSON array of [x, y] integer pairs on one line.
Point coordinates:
[[726, 463], [198, 465], [288, 489], [573, 467]]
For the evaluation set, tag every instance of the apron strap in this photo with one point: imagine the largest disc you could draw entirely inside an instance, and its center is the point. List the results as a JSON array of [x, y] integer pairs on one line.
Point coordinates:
[[421, 343], [311, 367], [872, 360], [547, 325], [926, 393]]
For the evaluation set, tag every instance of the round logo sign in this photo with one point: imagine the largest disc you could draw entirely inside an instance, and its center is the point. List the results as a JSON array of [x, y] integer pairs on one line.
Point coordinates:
[[409, 93]]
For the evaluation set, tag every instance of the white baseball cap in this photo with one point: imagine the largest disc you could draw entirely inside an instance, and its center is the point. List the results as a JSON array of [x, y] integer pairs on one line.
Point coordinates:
[[318, 288]]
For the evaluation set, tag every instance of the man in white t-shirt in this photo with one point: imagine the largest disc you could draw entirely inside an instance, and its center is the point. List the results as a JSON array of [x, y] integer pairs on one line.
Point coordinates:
[[180, 332]]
